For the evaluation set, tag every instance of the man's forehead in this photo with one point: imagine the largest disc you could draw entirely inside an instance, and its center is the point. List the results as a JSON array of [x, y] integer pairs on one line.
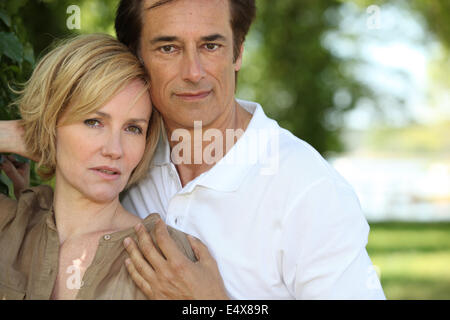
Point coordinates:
[[153, 4], [189, 16]]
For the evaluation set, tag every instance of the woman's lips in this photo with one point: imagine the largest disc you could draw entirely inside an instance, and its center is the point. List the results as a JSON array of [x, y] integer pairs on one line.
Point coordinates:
[[107, 174]]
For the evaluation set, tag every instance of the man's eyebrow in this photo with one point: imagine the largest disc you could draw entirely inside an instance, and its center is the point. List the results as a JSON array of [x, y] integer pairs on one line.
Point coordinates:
[[209, 38], [164, 39], [214, 37], [158, 3], [134, 120]]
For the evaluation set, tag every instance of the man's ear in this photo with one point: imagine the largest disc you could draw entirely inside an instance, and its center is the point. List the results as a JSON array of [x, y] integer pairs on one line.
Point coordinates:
[[238, 62], [139, 55]]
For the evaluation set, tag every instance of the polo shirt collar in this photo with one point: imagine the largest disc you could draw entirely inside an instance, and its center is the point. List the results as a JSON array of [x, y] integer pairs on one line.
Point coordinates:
[[229, 173], [162, 152]]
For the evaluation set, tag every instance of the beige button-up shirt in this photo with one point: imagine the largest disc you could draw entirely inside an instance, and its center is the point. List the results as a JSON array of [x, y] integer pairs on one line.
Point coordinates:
[[29, 252]]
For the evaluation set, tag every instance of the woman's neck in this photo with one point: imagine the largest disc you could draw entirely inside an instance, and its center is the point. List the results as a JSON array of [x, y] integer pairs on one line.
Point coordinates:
[[76, 215]]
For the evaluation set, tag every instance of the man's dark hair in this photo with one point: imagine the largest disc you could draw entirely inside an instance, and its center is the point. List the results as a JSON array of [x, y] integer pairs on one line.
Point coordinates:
[[128, 22]]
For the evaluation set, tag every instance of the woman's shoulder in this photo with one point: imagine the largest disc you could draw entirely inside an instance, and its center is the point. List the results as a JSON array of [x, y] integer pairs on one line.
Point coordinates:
[[32, 203], [38, 196]]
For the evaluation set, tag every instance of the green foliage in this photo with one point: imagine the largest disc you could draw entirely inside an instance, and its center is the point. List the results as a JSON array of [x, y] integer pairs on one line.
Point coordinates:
[[293, 75], [16, 62], [435, 14], [16, 55], [413, 259], [45, 22], [412, 140]]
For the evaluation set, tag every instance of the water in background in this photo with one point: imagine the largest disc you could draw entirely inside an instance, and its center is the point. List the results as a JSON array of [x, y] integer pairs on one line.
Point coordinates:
[[398, 189]]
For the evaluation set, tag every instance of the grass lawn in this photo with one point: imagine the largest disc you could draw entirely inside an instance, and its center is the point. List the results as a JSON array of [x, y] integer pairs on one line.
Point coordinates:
[[413, 258]]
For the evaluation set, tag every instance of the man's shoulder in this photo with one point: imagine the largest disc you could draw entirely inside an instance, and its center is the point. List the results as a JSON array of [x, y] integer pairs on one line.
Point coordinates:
[[298, 159], [290, 157]]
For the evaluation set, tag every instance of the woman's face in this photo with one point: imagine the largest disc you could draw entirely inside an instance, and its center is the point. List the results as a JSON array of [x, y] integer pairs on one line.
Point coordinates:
[[96, 155]]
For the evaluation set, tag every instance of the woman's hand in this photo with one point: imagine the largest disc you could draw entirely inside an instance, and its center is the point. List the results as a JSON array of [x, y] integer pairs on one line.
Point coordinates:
[[11, 139], [18, 172]]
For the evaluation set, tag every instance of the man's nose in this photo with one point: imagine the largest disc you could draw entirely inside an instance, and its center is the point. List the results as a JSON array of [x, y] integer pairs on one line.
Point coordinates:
[[192, 68], [112, 146]]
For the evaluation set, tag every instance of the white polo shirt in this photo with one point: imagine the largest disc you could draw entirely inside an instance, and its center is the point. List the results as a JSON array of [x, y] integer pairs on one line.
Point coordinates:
[[280, 222]]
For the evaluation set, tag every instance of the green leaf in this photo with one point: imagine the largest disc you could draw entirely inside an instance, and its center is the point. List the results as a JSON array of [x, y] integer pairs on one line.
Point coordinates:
[[13, 6], [4, 188], [3, 185], [28, 53], [11, 46], [5, 18]]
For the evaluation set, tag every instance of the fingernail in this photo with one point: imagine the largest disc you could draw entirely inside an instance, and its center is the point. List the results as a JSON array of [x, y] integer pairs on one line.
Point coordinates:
[[127, 261], [138, 227], [126, 242]]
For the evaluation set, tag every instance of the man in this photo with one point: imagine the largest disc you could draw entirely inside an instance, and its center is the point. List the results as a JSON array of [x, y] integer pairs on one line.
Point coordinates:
[[280, 222]]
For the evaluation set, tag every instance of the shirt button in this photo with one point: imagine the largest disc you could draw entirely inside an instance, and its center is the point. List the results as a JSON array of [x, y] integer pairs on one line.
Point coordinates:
[[107, 237]]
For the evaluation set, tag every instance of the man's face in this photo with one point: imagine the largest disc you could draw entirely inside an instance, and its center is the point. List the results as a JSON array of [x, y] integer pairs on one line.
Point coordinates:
[[187, 48]]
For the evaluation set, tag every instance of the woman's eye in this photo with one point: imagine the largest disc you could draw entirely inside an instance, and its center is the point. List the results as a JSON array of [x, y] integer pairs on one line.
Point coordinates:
[[134, 130], [93, 123]]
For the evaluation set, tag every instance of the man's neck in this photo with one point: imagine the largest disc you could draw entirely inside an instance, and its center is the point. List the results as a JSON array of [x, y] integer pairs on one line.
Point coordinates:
[[205, 151]]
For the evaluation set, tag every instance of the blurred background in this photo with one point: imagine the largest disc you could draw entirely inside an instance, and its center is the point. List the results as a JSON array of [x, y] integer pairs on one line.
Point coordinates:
[[364, 82]]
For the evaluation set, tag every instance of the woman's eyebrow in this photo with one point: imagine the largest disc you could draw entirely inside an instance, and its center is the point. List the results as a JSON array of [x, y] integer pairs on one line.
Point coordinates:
[[107, 116], [134, 120]]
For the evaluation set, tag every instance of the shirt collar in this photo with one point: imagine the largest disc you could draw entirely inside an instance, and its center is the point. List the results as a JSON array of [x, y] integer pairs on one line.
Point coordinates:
[[162, 152], [228, 174]]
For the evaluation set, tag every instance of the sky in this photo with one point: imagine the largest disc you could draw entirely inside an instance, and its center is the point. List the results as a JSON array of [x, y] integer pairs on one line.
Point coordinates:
[[397, 52]]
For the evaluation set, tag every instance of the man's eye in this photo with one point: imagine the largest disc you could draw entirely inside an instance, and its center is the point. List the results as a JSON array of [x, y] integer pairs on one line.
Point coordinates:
[[211, 46], [93, 123], [167, 49], [134, 130]]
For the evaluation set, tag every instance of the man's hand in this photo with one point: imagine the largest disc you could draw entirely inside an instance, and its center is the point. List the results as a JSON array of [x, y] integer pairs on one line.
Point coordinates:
[[171, 275], [18, 172]]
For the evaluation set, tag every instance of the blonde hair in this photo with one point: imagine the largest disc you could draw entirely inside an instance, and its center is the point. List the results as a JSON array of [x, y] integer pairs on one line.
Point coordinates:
[[77, 78]]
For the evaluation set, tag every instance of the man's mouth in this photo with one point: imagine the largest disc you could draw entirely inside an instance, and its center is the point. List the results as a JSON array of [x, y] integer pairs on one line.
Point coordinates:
[[192, 96]]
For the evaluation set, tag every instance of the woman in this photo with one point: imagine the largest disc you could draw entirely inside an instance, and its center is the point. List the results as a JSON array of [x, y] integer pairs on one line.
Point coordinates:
[[87, 118]]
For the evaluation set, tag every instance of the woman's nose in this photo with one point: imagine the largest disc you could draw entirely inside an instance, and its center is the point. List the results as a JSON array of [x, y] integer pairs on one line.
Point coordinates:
[[112, 146]]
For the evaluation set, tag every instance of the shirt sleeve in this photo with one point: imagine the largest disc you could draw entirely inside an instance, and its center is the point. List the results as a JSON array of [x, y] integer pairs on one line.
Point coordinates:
[[7, 210], [324, 240]]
